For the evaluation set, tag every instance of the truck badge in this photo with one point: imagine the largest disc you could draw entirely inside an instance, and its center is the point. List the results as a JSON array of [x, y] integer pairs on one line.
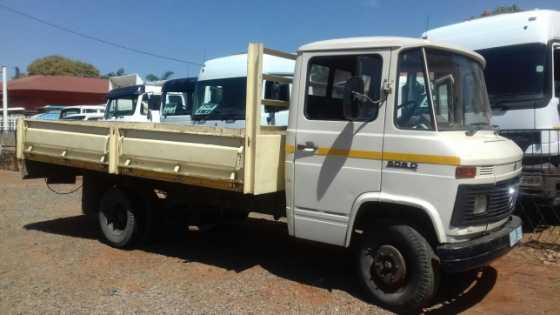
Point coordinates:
[[402, 164]]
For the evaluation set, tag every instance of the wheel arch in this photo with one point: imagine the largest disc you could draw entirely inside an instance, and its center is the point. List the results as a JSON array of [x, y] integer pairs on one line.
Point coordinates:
[[377, 206]]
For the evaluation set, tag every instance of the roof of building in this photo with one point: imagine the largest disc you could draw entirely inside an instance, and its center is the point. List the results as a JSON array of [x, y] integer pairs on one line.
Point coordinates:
[[59, 84]]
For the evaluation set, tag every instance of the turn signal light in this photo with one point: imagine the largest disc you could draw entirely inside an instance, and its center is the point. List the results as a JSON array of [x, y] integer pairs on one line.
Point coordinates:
[[465, 172]]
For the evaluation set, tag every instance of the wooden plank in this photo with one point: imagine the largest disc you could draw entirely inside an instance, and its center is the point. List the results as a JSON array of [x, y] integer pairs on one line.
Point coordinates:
[[276, 103], [279, 53], [277, 78], [252, 113]]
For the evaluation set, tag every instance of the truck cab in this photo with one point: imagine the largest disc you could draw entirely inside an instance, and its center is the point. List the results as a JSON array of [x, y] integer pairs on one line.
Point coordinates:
[[177, 98], [221, 91], [522, 51], [134, 103]]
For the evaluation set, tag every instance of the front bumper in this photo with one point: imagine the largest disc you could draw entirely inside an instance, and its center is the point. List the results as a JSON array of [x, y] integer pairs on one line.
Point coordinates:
[[457, 257]]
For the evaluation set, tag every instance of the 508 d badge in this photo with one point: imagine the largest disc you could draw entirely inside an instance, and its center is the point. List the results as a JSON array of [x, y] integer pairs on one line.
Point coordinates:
[[401, 164]]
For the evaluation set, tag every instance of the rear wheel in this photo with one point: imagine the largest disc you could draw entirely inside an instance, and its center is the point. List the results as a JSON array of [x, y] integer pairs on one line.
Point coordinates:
[[119, 220], [396, 266]]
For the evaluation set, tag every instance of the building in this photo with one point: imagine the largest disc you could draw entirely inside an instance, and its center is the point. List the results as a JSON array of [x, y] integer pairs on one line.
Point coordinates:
[[33, 92]]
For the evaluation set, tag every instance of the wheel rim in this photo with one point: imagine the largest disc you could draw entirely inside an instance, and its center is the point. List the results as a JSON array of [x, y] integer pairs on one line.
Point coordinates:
[[116, 219], [388, 268]]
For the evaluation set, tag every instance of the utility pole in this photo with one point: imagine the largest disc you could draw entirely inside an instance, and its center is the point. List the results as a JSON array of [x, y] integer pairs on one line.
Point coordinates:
[[5, 97]]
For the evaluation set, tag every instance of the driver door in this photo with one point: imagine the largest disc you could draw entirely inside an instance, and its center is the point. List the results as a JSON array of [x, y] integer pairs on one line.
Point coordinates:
[[337, 159]]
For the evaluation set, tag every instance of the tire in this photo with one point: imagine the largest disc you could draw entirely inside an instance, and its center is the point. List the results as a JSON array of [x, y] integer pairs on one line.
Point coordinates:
[[119, 220], [396, 267]]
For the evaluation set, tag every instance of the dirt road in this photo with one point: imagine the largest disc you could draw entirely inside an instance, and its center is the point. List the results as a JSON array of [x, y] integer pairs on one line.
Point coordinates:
[[52, 262]]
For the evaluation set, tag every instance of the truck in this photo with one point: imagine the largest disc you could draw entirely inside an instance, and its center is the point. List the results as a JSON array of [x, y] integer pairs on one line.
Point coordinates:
[[221, 91], [131, 99], [177, 98], [362, 164], [522, 51]]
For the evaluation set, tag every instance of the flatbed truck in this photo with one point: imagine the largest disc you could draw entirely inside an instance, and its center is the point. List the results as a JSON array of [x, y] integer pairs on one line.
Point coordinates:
[[388, 149]]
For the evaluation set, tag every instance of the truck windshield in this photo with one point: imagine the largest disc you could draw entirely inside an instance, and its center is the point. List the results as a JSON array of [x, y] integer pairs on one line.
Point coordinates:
[[221, 99], [122, 106], [459, 92], [516, 74]]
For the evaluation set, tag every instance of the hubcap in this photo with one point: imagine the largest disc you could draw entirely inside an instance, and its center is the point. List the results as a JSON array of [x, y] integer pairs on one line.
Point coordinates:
[[388, 268]]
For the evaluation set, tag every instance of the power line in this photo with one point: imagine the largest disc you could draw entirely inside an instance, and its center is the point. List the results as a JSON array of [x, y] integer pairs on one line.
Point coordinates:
[[97, 39]]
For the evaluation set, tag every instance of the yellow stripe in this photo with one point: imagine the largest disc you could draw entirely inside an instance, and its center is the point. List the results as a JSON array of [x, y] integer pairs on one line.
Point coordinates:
[[375, 155]]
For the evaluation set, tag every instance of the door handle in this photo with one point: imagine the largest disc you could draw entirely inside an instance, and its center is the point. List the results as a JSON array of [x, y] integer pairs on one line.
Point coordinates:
[[307, 147]]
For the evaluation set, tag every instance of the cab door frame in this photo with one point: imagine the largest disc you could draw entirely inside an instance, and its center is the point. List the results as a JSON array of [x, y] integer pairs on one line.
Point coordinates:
[[334, 161]]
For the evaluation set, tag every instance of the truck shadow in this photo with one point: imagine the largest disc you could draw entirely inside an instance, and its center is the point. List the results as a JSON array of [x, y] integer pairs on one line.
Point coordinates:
[[265, 243]]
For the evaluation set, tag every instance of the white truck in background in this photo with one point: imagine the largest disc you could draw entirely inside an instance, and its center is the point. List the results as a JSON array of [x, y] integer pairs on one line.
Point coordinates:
[[133, 100], [177, 99], [221, 91], [522, 51], [364, 160]]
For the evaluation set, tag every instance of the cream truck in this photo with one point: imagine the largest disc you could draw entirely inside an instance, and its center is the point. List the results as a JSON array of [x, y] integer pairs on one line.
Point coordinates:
[[374, 157]]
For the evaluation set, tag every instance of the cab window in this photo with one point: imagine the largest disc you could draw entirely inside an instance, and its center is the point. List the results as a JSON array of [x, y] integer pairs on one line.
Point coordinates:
[[413, 109], [326, 81]]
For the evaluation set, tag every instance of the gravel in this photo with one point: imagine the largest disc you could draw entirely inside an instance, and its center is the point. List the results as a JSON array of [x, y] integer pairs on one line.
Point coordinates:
[[52, 262]]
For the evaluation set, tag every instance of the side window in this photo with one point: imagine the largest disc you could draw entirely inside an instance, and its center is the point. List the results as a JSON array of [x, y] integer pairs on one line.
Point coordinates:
[[326, 82], [144, 106], [412, 109]]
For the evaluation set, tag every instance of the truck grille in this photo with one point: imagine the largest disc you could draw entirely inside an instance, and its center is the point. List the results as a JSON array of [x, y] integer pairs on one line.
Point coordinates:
[[500, 200]]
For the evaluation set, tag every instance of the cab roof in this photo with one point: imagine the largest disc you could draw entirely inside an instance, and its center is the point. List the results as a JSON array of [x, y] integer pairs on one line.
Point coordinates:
[[383, 42]]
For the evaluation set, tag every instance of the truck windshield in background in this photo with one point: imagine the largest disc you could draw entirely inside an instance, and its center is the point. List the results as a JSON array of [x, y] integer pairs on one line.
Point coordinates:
[[516, 75], [122, 106], [222, 99], [458, 93]]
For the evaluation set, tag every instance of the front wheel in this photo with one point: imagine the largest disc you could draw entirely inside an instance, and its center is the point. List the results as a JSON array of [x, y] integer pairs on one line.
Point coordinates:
[[396, 266], [119, 221]]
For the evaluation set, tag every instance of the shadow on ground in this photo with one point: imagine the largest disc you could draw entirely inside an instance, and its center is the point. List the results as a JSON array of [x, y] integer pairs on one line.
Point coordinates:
[[265, 243]]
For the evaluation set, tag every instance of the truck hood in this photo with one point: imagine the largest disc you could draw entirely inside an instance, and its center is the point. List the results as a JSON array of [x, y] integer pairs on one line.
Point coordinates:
[[483, 148]]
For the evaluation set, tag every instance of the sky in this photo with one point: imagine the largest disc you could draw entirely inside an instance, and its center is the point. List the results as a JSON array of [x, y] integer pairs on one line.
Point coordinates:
[[199, 30]]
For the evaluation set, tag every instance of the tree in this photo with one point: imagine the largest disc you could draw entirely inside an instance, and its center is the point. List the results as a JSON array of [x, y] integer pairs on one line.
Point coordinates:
[[165, 76], [119, 72], [59, 65], [499, 10]]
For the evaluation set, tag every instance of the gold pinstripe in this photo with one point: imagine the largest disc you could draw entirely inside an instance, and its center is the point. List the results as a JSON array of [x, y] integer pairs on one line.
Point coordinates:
[[375, 155]]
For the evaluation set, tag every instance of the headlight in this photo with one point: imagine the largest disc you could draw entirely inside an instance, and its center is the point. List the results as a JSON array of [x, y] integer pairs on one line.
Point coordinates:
[[480, 204]]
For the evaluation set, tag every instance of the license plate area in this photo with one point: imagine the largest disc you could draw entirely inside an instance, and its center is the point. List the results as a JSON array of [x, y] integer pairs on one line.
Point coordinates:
[[515, 236]]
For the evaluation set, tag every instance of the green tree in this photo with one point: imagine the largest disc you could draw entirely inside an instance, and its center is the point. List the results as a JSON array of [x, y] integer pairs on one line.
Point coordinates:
[[117, 73], [166, 75], [504, 9], [59, 65]]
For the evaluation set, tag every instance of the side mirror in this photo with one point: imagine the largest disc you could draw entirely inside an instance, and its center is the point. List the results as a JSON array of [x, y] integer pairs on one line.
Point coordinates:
[[356, 104]]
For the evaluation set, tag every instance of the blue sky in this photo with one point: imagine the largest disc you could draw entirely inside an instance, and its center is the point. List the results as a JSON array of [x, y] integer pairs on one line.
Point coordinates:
[[194, 30]]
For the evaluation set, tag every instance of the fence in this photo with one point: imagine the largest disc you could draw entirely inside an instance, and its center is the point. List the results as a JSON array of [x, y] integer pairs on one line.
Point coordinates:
[[11, 124], [539, 205]]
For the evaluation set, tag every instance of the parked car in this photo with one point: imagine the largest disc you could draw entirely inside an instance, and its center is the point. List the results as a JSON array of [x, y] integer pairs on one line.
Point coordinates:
[[87, 116], [48, 112], [81, 109]]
